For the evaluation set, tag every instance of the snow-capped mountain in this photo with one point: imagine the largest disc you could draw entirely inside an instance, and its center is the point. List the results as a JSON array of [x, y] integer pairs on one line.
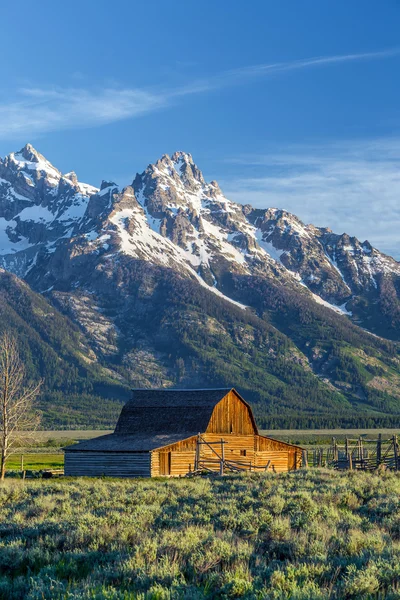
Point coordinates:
[[172, 283], [209, 228], [171, 217], [38, 205]]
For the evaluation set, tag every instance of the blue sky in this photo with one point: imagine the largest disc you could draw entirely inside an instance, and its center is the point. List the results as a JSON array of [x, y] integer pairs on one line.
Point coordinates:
[[289, 104]]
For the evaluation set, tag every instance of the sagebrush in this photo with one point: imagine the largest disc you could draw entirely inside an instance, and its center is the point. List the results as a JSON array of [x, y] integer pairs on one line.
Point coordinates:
[[302, 535]]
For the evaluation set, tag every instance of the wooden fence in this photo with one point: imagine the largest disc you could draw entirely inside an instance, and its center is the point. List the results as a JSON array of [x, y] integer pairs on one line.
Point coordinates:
[[359, 453], [217, 463]]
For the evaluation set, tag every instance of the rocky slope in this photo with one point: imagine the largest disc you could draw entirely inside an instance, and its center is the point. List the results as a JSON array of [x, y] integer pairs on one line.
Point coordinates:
[[173, 284]]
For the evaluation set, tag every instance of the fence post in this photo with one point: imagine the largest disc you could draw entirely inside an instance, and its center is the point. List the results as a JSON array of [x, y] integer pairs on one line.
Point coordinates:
[[197, 456], [361, 452], [396, 453], [305, 459], [221, 469], [379, 450]]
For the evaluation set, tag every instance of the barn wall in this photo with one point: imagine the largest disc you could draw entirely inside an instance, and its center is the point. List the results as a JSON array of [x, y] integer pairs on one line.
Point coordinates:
[[283, 457], [182, 457], [112, 464], [233, 446], [181, 462], [266, 443], [231, 415], [251, 450], [155, 463]]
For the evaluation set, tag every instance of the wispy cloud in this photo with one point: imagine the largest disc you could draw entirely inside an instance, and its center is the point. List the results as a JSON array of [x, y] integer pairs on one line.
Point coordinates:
[[350, 187], [38, 110], [238, 76]]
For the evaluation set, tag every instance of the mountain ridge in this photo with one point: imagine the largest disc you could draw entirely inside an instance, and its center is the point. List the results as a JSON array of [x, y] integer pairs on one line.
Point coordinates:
[[178, 204], [118, 260]]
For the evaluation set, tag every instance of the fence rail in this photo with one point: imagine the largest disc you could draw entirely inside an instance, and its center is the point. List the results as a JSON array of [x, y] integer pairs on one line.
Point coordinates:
[[362, 454]]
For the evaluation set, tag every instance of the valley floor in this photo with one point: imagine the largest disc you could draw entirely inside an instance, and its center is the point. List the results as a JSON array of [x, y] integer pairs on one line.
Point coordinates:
[[305, 535], [47, 451]]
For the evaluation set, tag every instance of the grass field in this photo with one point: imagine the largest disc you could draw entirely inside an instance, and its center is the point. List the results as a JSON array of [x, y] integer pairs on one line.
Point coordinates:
[[36, 461], [306, 535], [74, 434], [38, 457], [80, 434]]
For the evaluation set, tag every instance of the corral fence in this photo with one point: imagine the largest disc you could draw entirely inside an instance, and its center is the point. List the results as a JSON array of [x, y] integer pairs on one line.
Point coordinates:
[[215, 462], [356, 453]]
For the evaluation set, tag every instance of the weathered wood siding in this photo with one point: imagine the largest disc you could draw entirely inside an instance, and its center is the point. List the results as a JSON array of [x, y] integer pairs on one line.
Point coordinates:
[[283, 456], [251, 450], [110, 464], [182, 455], [232, 415], [233, 447]]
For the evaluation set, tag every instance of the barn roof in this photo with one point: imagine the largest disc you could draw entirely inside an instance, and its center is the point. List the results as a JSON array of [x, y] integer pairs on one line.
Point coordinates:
[[169, 411], [119, 442], [156, 418]]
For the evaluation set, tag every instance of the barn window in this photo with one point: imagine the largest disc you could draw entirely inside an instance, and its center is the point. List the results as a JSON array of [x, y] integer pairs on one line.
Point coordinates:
[[243, 452]]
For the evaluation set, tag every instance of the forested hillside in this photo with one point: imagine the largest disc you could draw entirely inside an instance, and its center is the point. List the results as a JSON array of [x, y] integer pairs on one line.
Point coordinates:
[[54, 349], [298, 362]]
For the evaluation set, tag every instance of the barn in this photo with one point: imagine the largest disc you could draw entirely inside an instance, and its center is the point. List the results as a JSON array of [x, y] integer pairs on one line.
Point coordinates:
[[175, 432]]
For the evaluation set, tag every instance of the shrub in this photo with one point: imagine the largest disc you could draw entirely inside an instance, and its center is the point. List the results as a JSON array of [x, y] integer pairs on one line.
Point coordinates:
[[305, 535]]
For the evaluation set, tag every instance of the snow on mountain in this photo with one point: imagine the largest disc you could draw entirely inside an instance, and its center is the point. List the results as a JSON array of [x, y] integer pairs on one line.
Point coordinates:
[[195, 215], [211, 230], [171, 217], [38, 206]]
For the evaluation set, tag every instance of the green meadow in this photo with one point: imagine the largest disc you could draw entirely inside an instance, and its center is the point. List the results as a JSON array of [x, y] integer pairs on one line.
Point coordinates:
[[36, 461], [309, 534]]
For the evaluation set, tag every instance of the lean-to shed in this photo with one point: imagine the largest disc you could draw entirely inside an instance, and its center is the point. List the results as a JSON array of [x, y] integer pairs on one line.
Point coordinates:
[[175, 432]]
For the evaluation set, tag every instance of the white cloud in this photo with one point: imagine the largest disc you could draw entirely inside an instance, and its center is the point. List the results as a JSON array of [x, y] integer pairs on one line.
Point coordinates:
[[350, 187], [242, 75], [39, 110]]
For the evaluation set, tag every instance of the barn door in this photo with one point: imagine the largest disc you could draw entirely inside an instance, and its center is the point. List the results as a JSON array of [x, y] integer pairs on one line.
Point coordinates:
[[292, 461], [165, 463]]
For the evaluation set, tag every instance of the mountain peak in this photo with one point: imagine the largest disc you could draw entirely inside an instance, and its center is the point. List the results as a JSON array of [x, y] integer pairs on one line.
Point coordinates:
[[29, 160], [106, 184], [182, 157], [29, 153]]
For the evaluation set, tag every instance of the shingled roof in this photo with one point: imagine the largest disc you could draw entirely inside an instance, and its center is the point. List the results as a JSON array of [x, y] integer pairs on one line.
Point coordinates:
[[156, 418]]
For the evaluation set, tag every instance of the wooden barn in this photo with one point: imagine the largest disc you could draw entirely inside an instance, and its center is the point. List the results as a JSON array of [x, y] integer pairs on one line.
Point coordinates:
[[175, 432]]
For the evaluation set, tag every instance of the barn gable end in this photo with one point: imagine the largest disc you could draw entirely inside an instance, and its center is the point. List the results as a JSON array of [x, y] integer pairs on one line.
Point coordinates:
[[232, 414]]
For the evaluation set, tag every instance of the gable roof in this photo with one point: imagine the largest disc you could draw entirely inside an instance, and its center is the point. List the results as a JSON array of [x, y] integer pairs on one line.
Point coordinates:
[[156, 418], [169, 411]]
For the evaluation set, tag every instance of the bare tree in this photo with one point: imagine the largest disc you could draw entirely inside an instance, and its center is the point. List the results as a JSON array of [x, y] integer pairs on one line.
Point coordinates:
[[18, 418]]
